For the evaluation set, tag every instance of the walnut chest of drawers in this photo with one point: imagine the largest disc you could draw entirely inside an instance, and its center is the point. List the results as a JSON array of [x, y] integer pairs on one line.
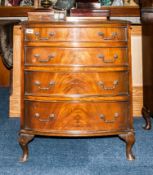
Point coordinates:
[[76, 81]]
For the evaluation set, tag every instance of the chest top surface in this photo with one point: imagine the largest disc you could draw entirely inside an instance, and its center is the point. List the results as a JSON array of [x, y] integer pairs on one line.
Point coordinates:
[[83, 23]]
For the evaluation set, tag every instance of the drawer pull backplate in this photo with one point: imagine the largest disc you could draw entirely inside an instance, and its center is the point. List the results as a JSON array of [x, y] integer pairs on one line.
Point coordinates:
[[102, 85], [102, 116], [112, 37], [38, 56], [50, 35], [38, 84], [50, 117], [102, 57]]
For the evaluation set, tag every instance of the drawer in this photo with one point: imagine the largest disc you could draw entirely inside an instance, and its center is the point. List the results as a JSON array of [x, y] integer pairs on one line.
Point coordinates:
[[76, 56], [87, 116], [76, 34], [80, 83]]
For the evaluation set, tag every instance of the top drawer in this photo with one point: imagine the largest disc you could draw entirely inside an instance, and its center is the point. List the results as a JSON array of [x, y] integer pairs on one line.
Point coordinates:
[[76, 34]]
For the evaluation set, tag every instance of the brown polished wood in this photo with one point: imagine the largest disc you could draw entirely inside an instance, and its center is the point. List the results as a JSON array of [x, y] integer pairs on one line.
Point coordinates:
[[74, 116], [81, 34], [146, 3], [5, 75], [23, 11], [147, 38], [78, 56], [14, 11], [130, 140], [24, 139], [76, 81], [114, 11]]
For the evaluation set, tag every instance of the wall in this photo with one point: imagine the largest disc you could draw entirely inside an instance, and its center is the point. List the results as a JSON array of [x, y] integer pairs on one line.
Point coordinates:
[[136, 49]]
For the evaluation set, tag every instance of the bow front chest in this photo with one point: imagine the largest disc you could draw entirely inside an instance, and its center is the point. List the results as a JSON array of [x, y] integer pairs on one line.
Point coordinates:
[[76, 81]]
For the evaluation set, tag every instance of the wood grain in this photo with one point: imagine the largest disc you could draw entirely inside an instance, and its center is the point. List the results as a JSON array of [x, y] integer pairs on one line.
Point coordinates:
[[137, 101], [5, 75], [75, 100], [14, 102], [136, 30], [51, 56], [14, 109], [22, 11], [44, 82], [69, 83], [42, 116], [75, 34]]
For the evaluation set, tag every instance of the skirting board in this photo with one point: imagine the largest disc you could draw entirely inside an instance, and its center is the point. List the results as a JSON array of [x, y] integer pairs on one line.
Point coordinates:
[[137, 101]]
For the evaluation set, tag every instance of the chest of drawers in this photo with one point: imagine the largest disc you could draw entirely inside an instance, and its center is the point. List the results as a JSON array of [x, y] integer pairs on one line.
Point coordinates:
[[76, 81]]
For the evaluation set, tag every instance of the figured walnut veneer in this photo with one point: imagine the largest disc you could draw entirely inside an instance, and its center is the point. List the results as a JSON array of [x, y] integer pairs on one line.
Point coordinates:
[[76, 81]]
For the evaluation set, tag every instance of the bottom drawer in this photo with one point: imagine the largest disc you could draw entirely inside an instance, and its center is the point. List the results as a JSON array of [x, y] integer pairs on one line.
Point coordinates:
[[76, 116]]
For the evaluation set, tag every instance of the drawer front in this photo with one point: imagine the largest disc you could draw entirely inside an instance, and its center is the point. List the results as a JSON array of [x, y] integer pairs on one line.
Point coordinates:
[[85, 83], [63, 116], [76, 56], [75, 34]]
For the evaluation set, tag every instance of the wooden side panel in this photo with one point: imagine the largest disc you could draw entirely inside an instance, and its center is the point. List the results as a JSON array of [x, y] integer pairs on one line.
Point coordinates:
[[137, 101], [15, 97], [136, 48]]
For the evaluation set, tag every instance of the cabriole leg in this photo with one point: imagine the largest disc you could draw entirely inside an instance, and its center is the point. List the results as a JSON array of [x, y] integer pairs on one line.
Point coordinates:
[[146, 115], [129, 138], [24, 139]]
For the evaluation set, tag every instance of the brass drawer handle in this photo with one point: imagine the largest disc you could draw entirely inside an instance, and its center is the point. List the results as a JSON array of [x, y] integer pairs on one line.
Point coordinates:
[[50, 35], [50, 117], [38, 84], [102, 85], [102, 57], [112, 37], [102, 116], [50, 56]]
